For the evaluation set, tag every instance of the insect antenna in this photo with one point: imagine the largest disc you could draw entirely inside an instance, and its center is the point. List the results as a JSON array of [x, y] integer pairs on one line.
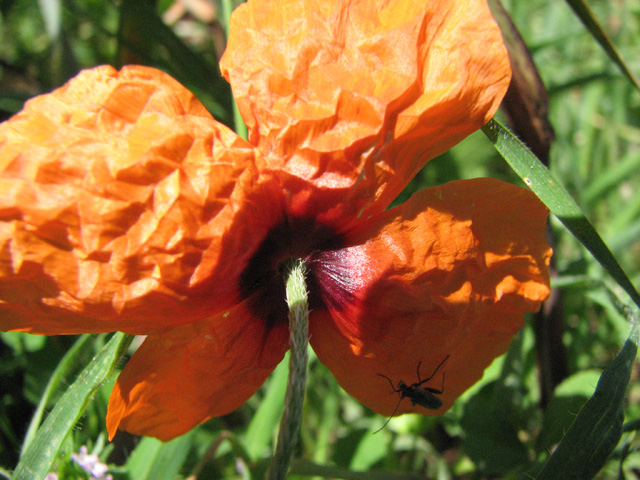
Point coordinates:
[[389, 419]]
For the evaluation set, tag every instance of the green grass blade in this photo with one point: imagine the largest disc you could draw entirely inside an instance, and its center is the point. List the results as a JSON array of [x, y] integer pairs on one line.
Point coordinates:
[[551, 192], [589, 20], [611, 178], [239, 126], [597, 429], [42, 451], [66, 365]]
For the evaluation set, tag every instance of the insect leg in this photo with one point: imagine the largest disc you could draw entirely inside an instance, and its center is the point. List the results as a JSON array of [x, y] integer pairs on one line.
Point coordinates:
[[435, 390], [420, 382]]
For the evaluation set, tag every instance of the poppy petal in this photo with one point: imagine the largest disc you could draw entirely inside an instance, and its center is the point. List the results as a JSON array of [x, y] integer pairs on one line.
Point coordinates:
[[356, 96], [179, 379], [449, 273], [118, 195]]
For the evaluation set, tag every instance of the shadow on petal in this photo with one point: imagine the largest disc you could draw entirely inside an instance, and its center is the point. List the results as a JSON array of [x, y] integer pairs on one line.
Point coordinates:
[[450, 272], [205, 369]]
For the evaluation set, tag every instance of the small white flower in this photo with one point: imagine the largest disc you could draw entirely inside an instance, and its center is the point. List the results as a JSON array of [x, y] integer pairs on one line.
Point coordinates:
[[91, 464]]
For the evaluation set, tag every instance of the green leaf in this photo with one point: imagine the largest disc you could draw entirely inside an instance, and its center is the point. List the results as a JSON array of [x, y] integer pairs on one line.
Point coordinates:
[[310, 469], [589, 20], [260, 431], [597, 429], [369, 451], [490, 420], [551, 192], [145, 34], [568, 398], [155, 460], [21, 342], [42, 451]]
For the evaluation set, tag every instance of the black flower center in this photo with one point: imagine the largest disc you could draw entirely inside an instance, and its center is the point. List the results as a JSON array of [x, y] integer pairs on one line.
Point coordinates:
[[264, 276]]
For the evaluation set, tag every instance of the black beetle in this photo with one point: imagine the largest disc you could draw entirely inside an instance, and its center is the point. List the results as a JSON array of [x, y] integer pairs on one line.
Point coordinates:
[[424, 396]]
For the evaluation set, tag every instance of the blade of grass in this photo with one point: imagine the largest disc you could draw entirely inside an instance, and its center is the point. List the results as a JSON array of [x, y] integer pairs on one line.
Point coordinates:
[[551, 192], [597, 429], [611, 178], [621, 240], [239, 126], [68, 362], [43, 449], [589, 20]]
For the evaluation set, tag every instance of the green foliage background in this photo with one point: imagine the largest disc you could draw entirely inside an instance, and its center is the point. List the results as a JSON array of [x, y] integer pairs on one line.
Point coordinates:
[[499, 428]]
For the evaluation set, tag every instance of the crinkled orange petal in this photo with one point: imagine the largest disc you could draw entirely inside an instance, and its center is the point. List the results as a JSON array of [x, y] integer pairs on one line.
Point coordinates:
[[356, 96], [450, 272], [119, 195], [179, 379]]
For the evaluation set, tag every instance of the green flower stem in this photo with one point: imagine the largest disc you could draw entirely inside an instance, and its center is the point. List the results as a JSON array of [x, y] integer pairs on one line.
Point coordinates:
[[298, 338]]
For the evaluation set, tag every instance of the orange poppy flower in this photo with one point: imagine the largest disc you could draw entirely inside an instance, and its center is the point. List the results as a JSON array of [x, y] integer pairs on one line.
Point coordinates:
[[125, 206]]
